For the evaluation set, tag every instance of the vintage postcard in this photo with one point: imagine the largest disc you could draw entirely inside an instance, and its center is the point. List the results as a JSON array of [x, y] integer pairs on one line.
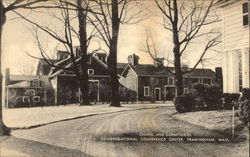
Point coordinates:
[[125, 78]]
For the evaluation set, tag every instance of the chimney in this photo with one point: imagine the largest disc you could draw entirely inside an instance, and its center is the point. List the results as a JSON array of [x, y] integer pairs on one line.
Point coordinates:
[[159, 62], [133, 59]]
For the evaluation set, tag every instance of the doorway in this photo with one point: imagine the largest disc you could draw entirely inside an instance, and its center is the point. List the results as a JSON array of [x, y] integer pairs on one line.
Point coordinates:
[[157, 95]]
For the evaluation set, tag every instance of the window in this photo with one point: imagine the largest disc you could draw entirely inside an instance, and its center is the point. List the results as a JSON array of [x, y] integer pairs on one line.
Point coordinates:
[[146, 91], [35, 83], [240, 72], [91, 71], [36, 99], [170, 81], [31, 92], [26, 99], [245, 14]]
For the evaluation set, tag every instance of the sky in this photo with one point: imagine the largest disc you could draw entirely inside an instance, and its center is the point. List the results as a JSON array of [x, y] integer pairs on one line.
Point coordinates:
[[18, 40]]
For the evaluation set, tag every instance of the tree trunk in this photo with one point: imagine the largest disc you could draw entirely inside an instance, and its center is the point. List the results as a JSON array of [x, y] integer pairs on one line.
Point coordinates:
[[3, 129], [112, 59], [176, 51], [178, 74], [84, 80]]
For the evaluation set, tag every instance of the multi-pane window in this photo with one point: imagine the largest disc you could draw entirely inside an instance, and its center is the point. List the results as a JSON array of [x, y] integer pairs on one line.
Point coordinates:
[[30, 92], [240, 71], [245, 14], [26, 99], [36, 99], [146, 91], [171, 81], [91, 71]]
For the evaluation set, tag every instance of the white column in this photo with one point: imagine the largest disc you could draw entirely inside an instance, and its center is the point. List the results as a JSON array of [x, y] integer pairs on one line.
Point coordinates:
[[245, 68], [235, 68], [225, 72], [231, 74]]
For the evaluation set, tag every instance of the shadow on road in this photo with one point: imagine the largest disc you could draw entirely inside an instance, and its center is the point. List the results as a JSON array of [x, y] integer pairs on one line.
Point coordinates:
[[34, 148]]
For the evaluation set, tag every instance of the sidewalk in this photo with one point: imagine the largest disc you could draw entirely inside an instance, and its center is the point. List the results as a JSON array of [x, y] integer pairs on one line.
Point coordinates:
[[11, 153], [31, 117]]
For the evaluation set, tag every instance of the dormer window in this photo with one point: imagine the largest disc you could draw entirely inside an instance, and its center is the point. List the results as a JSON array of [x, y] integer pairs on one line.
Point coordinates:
[[35, 83], [91, 71], [245, 11]]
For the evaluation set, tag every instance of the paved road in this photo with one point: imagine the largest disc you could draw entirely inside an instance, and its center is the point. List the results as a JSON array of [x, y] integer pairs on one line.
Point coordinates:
[[81, 137]]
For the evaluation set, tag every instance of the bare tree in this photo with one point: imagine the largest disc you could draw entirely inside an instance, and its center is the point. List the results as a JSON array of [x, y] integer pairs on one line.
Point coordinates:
[[113, 13], [78, 63], [187, 21], [5, 7]]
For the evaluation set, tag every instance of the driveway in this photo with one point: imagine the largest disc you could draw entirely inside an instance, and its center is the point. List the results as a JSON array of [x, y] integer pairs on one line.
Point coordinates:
[[97, 136]]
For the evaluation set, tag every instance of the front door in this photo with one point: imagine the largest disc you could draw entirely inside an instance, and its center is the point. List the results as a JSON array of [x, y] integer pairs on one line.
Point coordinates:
[[93, 91], [157, 94]]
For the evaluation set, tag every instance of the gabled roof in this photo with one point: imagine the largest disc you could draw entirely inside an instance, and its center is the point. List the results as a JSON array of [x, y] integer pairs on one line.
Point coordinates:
[[23, 84], [44, 67], [18, 78], [22, 77], [152, 70], [201, 73], [121, 67], [67, 63]]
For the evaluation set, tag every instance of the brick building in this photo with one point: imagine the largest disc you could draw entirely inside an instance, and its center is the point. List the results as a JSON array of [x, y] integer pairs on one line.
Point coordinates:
[[153, 82]]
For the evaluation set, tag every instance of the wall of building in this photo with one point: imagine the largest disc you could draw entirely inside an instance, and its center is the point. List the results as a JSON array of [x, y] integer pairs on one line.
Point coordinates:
[[233, 62], [130, 80], [103, 89], [67, 89], [15, 97], [152, 82], [235, 35], [235, 48]]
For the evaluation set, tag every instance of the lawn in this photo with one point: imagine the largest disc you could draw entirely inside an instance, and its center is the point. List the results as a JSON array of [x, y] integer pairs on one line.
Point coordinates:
[[220, 120]]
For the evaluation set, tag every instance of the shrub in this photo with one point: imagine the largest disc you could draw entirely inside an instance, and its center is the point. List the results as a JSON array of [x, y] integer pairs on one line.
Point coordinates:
[[230, 99], [184, 103], [213, 97], [245, 94], [243, 113], [199, 92]]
